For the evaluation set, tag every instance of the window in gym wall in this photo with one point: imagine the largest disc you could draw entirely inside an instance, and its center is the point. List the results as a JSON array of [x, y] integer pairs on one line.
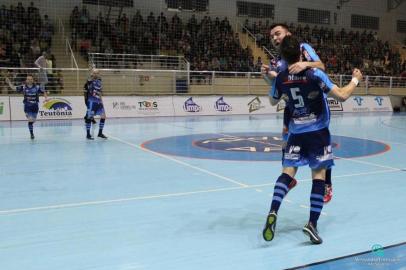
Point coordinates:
[[110, 3], [401, 26], [365, 22], [255, 10], [305, 15], [194, 5]]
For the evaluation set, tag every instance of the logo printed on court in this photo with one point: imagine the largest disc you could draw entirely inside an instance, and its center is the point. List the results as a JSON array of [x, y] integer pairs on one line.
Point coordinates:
[[222, 106], [255, 105], [261, 146], [191, 106], [56, 107]]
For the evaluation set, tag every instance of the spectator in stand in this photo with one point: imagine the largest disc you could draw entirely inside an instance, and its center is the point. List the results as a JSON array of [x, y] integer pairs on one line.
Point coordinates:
[[42, 64]]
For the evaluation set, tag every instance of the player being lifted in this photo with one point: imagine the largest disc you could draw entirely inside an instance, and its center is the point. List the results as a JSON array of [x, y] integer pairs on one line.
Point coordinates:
[[309, 141], [31, 92], [308, 59], [95, 104]]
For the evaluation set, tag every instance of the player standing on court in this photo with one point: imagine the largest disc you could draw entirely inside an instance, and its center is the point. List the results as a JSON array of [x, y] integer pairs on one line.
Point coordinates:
[[86, 96], [309, 141], [309, 59], [31, 92], [95, 104]]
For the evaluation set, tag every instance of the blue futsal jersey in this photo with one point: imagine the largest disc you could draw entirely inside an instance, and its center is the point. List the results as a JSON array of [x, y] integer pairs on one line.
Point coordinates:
[[307, 103], [95, 91], [31, 94]]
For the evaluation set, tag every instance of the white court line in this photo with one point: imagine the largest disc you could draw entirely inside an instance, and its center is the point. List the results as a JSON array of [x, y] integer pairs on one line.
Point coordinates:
[[159, 196], [180, 162], [369, 163], [79, 204], [340, 176]]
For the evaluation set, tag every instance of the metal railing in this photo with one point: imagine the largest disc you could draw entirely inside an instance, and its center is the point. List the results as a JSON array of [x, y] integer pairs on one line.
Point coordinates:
[[272, 56], [241, 28], [70, 81], [138, 61]]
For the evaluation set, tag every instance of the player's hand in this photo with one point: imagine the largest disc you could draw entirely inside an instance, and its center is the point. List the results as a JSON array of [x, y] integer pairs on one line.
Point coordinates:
[[264, 69], [357, 74], [272, 74], [297, 67]]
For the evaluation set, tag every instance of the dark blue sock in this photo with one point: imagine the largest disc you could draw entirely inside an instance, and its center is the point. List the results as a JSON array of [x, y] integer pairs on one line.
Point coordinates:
[[88, 125], [101, 125], [280, 190], [31, 127], [316, 200], [328, 177]]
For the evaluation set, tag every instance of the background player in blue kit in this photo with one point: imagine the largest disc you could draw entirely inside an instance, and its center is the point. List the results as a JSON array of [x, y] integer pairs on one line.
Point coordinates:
[[309, 59], [86, 96], [31, 92], [309, 141], [95, 104]]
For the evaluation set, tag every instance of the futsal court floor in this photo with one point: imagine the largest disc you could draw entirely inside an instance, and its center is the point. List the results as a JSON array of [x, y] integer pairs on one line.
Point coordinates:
[[193, 193]]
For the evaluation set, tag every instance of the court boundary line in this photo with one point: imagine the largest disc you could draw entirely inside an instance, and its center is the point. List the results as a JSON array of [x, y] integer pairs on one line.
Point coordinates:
[[343, 257]]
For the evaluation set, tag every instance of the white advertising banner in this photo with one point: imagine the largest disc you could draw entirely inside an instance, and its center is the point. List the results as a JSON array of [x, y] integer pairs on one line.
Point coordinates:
[[221, 105], [4, 109], [120, 106], [154, 106], [53, 108], [368, 104], [144, 106], [193, 105], [335, 106]]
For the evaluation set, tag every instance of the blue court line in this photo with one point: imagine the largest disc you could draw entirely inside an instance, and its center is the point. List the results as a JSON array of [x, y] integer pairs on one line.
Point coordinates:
[[391, 257]]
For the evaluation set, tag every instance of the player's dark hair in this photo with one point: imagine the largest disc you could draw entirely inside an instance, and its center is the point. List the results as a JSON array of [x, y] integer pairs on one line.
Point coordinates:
[[290, 49], [283, 25]]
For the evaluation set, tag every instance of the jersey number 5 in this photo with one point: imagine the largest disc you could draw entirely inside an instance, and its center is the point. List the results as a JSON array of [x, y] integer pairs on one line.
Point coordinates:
[[297, 98]]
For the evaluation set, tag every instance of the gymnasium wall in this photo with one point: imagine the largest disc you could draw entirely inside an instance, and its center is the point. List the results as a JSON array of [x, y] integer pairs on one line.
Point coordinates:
[[285, 11]]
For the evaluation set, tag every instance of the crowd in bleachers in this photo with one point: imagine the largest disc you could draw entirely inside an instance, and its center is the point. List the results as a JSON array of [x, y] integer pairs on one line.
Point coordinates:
[[24, 35], [343, 50], [208, 44], [26, 41], [211, 44]]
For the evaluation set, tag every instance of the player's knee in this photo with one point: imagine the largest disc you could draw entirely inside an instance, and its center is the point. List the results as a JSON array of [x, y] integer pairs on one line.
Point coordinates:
[[285, 178]]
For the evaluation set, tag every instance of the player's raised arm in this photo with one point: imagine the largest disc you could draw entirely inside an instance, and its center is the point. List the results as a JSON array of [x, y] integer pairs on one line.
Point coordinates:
[[268, 74], [299, 66], [12, 86], [343, 93], [310, 59], [274, 94]]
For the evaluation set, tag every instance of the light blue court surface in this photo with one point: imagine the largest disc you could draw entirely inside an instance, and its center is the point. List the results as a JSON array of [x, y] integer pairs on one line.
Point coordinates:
[[68, 204]]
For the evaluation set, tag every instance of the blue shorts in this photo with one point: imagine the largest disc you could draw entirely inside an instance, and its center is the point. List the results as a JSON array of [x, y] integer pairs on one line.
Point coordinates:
[[94, 108], [31, 110], [310, 148]]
